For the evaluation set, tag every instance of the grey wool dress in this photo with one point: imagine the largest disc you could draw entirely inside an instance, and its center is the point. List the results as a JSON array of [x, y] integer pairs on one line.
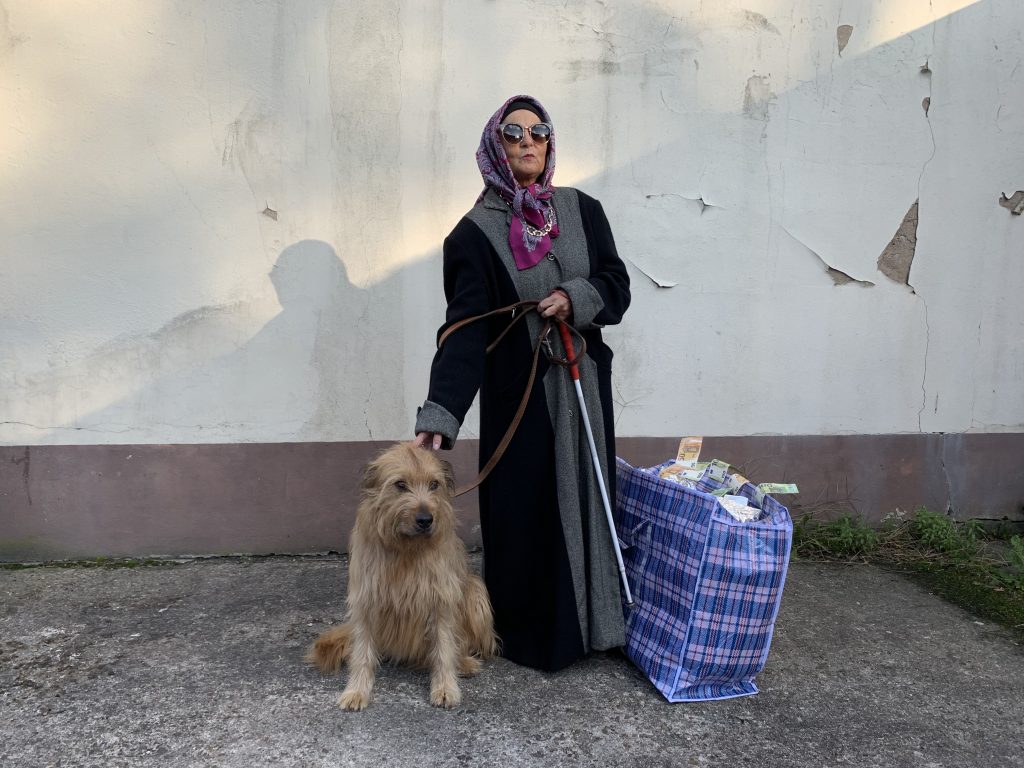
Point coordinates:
[[548, 559]]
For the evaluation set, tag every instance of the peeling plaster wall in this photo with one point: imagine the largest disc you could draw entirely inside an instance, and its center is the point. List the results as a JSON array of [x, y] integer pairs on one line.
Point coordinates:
[[222, 222]]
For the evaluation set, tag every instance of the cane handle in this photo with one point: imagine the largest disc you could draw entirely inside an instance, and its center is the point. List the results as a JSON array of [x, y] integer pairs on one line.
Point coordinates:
[[570, 353]]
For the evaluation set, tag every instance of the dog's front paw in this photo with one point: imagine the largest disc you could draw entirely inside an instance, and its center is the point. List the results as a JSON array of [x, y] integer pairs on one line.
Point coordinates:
[[353, 701], [445, 697]]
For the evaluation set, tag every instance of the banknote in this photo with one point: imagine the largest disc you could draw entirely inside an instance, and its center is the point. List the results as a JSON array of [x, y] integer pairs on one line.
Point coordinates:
[[776, 488], [718, 470], [689, 449]]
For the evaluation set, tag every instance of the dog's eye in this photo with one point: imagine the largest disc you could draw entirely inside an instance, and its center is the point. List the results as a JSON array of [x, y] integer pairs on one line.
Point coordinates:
[[401, 485], [434, 485]]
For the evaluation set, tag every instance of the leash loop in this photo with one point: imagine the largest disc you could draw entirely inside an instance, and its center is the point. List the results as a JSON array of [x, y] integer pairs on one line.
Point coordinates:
[[518, 311]]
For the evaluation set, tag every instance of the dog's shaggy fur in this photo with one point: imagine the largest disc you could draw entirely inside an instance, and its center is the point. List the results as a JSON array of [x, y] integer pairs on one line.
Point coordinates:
[[411, 597]]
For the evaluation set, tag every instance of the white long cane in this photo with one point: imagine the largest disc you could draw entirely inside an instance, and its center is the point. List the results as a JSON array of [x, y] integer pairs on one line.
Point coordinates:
[[575, 372]]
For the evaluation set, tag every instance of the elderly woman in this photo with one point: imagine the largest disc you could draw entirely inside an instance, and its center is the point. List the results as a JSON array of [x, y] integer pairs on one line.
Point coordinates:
[[548, 559]]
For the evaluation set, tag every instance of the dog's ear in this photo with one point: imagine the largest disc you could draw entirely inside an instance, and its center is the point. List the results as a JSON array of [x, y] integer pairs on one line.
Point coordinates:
[[372, 476], [449, 474]]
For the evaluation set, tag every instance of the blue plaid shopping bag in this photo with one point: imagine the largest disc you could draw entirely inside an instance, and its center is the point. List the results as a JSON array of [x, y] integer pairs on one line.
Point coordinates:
[[706, 586]]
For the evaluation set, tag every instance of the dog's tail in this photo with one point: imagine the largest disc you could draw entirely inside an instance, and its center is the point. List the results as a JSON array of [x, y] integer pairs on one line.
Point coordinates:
[[331, 649], [478, 619]]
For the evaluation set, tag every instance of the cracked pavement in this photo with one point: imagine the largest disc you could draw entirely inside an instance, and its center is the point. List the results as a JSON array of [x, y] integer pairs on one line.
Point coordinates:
[[200, 664]]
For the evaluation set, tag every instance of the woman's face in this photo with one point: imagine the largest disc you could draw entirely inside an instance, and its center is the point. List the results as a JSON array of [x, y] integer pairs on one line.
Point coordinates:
[[527, 157]]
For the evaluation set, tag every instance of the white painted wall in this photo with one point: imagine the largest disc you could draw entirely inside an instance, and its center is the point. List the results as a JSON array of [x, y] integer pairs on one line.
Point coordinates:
[[221, 222]]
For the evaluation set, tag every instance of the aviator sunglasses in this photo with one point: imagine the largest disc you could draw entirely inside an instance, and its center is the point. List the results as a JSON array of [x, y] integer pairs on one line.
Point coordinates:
[[514, 133]]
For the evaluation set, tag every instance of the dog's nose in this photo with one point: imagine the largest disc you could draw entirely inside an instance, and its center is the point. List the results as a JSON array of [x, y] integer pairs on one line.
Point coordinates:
[[424, 520]]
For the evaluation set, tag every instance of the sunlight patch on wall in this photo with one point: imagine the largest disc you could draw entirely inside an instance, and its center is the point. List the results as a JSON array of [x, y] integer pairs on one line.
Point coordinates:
[[424, 231], [897, 19]]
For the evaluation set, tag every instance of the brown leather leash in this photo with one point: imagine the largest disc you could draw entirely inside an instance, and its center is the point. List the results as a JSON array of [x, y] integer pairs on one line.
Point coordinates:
[[519, 310]]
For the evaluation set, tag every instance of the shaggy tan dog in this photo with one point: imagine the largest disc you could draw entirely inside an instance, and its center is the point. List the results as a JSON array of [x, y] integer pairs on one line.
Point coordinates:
[[411, 597]]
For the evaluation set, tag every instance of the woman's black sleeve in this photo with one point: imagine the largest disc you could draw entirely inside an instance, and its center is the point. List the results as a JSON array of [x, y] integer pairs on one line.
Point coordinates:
[[458, 367], [608, 274]]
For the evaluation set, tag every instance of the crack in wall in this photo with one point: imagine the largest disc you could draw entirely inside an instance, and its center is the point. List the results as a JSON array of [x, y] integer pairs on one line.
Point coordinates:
[[974, 367], [837, 276], [924, 373], [41, 428], [950, 506], [661, 93], [26, 471], [699, 200], [926, 71], [129, 427]]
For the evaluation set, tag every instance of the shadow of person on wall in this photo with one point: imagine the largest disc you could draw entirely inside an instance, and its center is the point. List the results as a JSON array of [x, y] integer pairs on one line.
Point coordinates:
[[303, 376], [320, 307]]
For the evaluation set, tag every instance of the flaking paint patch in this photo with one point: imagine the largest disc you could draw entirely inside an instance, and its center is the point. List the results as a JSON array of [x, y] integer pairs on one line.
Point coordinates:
[[760, 22], [841, 278], [250, 143], [658, 281], [843, 34], [898, 255], [1015, 203], [8, 40], [837, 276], [702, 204], [756, 97], [584, 69]]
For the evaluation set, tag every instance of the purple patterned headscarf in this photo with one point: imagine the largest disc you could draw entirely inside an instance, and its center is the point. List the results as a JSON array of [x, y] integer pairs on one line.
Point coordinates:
[[530, 205]]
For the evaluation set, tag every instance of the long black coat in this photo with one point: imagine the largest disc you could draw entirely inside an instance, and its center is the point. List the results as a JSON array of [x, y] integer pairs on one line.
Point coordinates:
[[525, 564]]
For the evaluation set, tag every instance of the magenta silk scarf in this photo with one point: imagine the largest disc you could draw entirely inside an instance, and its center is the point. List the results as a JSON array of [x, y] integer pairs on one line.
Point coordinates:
[[530, 205]]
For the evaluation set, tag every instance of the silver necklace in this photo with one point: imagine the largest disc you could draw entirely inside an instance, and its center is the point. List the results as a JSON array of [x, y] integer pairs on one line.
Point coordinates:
[[549, 222]]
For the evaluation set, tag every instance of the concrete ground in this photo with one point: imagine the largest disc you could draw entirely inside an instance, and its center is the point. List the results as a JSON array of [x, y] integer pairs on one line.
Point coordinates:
[[200, 664]]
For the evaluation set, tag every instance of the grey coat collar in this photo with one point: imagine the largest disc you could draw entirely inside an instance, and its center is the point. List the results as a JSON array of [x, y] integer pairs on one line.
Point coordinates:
[[496, 202], [493, 200]]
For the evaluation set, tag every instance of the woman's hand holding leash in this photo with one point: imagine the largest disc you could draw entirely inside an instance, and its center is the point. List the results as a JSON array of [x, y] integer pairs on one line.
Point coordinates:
[[557, 305]]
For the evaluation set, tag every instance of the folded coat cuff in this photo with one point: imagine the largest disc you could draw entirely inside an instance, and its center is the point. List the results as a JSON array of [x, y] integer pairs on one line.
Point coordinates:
[[431, 417], [586, 302]]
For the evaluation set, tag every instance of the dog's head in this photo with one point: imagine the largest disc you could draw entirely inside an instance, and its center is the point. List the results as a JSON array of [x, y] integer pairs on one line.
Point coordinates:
[[407, 495]]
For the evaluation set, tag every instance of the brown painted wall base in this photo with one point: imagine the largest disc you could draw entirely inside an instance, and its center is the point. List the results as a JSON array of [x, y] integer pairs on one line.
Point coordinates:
[[67, 502]]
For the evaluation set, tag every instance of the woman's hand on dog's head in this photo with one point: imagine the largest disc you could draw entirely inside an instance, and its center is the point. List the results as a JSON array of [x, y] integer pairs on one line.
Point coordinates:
[[428, 440]]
